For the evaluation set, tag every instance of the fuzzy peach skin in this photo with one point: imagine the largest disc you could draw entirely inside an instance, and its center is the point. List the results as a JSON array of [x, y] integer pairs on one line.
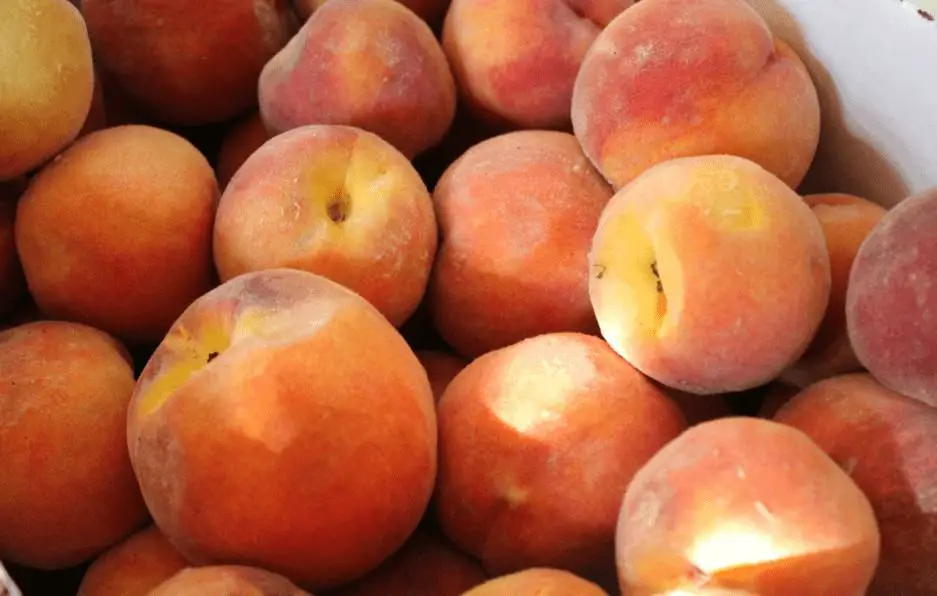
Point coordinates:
[[186, 62], [337, 201], [431, 11], [516, 215], [239, 143], [67, 491], [515, 62], [133, 567], [709, 274], [288, 403], [891, 299], [427, 565], [748, 504], [116, 232], [846, 221], [538, 442], [537, 581], [46, 81], [441, 368], [655, 87], [372, 64], [12, 282], [227, 580], [884, 441]]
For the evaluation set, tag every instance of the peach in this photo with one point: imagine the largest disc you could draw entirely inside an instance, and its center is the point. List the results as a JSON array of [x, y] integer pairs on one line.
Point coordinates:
[[227, 579], [427, 565], [287, 402], [185, 62], [372, 64], [97, 114], [116, 232], [884, 440], [846, 221], [239, 143], [891, 297], [133, 567], [431, 11], [516, 215], [441, 368], [12, 282], [715, 80], [709, 274], [537, 581], [46, 81], [748, 504], [68, 490], [537, 443], [337, 201], [516, 61]]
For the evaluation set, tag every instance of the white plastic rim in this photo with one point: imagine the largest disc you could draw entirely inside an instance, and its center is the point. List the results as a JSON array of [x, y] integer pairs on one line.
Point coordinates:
[[7, 587]]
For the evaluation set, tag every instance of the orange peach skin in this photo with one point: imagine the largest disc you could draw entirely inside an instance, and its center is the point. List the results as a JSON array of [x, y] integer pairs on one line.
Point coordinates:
[[337, 201], [431, 11], [68, 491], [133, 567], [709, 274], [372, 64], [516, 61], [46, 81], [116, 232], [441, 368], [288, 403], [537, 582], [427, 565], [846, 221], [538, 442], [655, 87], [240, 142], [516, 215], [186, 62], [228, 580], [884, 440], [748, 504]]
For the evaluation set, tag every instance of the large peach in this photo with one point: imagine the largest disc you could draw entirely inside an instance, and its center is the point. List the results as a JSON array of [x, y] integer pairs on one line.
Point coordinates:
[[537, 581], [186, 62], [748, 504], [516, 61], [709, 274], [538, 442], [284, 423], [891, 299], [227, 580], [441, 368], [133, 567], [431, 11], [46, 81], [516, 215], [372, 64], [337, 201], [885, 441], [116, 232], [669, 78], [67, 491]]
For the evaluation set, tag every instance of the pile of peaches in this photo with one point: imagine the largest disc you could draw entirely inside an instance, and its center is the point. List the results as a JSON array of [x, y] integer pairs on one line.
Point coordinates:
[[432, 298]]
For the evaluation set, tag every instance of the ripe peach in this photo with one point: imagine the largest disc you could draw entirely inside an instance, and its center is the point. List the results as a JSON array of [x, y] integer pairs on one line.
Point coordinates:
[[97, 115], [885, 441], [537, 444], [372, 64], [846, 221], [337, 201], [187, 62], [116, 232], [133, 567], [748, 504], [12, 282], [427, 565], [709, 274], [516, 215], [891, 299], [240, 142], [431, 11], [441, 368], [288, 403], [516, 61], [46, 81], [537, 582], [67, 490], [227, 580], [713, 80]]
